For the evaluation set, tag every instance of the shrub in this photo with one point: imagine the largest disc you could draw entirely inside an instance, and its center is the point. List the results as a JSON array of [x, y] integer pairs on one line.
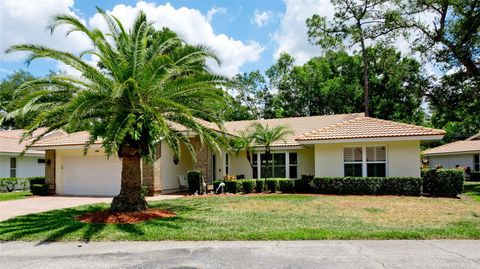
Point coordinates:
[[272, 184], [35, 180], [260, 185], [195, 182], [302, 185], [248, 185], [285, 185], [216, 184], [144, 191], [368, 185], [475, 176], [241, 176], [443, 182], [233, 186], [10, 183], [39, 189]]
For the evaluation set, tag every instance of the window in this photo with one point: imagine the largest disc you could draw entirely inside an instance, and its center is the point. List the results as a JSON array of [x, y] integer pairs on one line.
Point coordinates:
[[280, 165], [476, 162], [13, 167], [352, 159], [365, 161], [227, 164], [292, 162], [41, 161]]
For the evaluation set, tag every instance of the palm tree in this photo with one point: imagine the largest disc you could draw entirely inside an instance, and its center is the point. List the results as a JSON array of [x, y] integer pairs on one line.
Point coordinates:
[[146, 82], [266, 136], [244, 142]]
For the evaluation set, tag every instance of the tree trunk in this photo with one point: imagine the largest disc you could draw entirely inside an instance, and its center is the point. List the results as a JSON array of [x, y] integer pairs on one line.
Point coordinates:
[[365, 71], [267, 158], [130, 197]]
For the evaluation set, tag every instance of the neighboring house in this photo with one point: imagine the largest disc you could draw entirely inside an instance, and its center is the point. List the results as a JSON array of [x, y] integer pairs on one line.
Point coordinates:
[[332, 145], [464, 153], [11, 164]]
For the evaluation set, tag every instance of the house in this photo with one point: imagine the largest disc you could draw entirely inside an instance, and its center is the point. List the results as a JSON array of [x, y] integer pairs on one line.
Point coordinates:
[[11, 164], [331, 145], [460, 153]]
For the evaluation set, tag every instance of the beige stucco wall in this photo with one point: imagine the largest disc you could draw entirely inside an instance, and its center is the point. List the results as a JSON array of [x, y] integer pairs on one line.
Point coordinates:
[[169, 172], [403, 158]]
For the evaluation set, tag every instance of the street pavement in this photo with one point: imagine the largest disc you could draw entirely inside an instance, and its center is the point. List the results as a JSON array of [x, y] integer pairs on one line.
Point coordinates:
[[243, 254]]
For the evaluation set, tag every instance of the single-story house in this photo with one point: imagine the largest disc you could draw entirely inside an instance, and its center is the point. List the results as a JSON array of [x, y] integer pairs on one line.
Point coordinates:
[[464, 153], [331, 145], [11, 164]]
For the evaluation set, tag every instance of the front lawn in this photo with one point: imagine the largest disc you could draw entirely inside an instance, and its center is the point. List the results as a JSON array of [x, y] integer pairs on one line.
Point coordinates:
[[472, 189], [6, 196], [268, 217]]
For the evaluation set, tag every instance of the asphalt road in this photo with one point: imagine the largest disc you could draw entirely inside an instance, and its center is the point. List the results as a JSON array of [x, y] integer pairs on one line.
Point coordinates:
[[250, 254]]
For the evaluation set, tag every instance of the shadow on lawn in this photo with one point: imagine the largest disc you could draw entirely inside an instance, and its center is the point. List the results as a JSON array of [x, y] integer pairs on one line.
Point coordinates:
[[60, 224]]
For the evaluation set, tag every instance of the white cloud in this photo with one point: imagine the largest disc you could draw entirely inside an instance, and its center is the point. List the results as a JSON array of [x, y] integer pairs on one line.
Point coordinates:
[[291, 37], [25, 21], [215, 10], [194, 28], [262, 18]]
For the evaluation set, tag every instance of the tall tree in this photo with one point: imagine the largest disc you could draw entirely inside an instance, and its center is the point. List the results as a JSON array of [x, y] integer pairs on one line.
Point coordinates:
[[146, 83], [250, 90], [264, 136], [355, 21], [451, 37], [8, 86]]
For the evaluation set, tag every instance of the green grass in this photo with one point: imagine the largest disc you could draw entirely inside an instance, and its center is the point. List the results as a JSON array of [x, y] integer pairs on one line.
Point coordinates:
[[267, 217], [6, 196], [472, 189]]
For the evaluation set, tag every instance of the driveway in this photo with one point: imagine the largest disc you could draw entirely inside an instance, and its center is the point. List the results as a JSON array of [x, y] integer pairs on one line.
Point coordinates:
[[13, 208], [243, 254]]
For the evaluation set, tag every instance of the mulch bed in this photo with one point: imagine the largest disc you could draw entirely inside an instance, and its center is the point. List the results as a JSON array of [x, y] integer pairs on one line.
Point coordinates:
[[125, 217]]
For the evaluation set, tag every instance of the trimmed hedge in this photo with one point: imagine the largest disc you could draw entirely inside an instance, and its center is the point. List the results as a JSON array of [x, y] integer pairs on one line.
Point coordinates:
[[260, 185], [443, 182], [475, 176], [195, 182], [302, 185], [39, 189], [36, 180], [10, 183], [411, 186], [216, 184], [248, 185], [286, 185], [233, 186], [272, 185]]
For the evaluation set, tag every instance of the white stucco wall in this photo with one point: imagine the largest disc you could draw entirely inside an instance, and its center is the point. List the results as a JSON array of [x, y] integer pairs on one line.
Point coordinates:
[[403, 158], [27, 166], [450, 161], [169, 172]]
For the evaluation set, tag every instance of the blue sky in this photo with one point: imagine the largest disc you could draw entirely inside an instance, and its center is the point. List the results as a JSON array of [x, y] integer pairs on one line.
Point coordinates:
[[246, 33]]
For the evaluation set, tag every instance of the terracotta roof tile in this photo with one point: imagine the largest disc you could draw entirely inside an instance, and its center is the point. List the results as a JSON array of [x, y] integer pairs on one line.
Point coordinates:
[[366, 127], [455, 147], [10, 141], [298, 125]]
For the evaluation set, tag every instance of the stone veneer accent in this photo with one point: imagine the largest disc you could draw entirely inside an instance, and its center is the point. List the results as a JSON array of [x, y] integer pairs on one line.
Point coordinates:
[[50, 170], [203, 157], [151, 174]]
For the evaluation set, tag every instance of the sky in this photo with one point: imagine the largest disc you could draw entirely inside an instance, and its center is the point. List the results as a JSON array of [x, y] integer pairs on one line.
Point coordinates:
[[246, 34]]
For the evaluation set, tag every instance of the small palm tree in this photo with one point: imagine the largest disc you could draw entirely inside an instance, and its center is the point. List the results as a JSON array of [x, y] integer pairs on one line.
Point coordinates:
[[146, 82], [266, 136], [244, 142]]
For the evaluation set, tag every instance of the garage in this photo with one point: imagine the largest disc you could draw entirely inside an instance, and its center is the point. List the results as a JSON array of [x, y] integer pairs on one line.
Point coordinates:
[[91, 175]]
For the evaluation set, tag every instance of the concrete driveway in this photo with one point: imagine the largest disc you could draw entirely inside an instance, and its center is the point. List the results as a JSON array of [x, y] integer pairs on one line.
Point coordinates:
[[243, 254], [13, 208]]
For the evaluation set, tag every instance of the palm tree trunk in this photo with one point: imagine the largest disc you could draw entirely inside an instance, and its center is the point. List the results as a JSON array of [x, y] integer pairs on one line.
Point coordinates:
[[130, 198], [267, 158]]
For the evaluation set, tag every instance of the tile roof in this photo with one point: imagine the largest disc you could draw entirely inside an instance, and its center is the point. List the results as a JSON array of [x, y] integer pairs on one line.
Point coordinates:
[[474, 137], [299, 125], [10, 141], [366, 127], [455, 147]]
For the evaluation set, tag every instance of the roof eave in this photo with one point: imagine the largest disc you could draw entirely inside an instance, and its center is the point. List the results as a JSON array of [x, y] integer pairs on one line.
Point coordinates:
[[451, 153], [371, 139]]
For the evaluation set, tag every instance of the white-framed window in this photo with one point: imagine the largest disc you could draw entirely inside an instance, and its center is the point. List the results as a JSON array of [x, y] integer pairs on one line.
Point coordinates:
[[13, 167], [476, 162], [280, 165], [227, 164], [365, 161]]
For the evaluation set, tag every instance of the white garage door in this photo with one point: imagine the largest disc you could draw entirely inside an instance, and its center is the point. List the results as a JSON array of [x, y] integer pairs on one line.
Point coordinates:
[[91, 176]]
